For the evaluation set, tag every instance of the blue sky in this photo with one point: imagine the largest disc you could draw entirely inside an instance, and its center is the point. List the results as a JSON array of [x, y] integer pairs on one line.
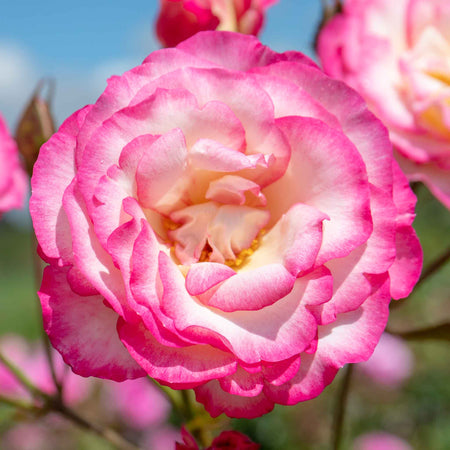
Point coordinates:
[[80, 44]]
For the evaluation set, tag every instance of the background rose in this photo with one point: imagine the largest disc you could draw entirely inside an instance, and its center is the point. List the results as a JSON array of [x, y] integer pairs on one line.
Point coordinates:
[[391, 363], [223, 218], [379, 440], [180, 19], [151, 410], [13, 181], [396, 54]]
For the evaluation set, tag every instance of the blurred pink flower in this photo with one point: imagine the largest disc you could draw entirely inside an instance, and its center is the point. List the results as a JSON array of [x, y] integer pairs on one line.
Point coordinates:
[[391, 363], [396, 54], [27, 436], [50, 432], [32, 361], [138, 403], [380, 441], [180, 19], [162, 437], [13, 181]]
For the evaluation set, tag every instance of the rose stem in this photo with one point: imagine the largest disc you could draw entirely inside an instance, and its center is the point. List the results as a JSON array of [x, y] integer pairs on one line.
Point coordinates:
[[341, 407], [198, 431], [19, 404], [21, 378], [56, 404], [38, 272], [35, 127], [106, 433]]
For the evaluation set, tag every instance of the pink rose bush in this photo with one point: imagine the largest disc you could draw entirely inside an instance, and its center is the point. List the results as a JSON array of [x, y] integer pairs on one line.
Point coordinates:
[[13, 181], [223, 218], [181, 19], [397, 55]]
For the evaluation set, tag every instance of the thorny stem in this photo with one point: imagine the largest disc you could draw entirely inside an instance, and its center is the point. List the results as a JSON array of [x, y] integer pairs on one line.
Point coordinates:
[[341, 407], [55, 403]]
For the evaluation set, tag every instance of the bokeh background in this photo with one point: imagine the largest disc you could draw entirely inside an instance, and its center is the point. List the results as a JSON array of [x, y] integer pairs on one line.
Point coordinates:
[[79, 45]]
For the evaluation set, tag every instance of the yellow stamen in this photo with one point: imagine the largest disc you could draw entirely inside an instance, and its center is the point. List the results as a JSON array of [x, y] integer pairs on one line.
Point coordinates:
[[244, 255], [441, 76], [169, 225]]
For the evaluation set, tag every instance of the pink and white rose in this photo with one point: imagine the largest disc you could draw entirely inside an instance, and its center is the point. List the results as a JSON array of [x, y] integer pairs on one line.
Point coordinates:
[[396, 54], [13, 181], [181, 19], [223, 218]]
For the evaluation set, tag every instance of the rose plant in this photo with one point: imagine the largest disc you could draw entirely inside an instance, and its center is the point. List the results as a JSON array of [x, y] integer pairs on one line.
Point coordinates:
[[397, 56], [13, 181], [180, 19], [223, 218]]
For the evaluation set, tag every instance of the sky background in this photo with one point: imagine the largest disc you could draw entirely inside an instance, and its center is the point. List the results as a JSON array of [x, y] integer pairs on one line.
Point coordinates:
[[81, 44]]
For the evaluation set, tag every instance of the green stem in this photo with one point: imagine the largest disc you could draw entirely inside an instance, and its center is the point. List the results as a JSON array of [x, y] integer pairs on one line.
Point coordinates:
[[341, 407], [195, 422], [19, 404], [55, 403], [106, 433], [38, 272], [22, 379]]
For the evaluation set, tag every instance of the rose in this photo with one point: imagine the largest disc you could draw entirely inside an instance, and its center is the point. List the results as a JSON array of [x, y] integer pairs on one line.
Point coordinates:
[[180, 19], [13, 182], [230, 440], [223, 218], [397, 55]]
